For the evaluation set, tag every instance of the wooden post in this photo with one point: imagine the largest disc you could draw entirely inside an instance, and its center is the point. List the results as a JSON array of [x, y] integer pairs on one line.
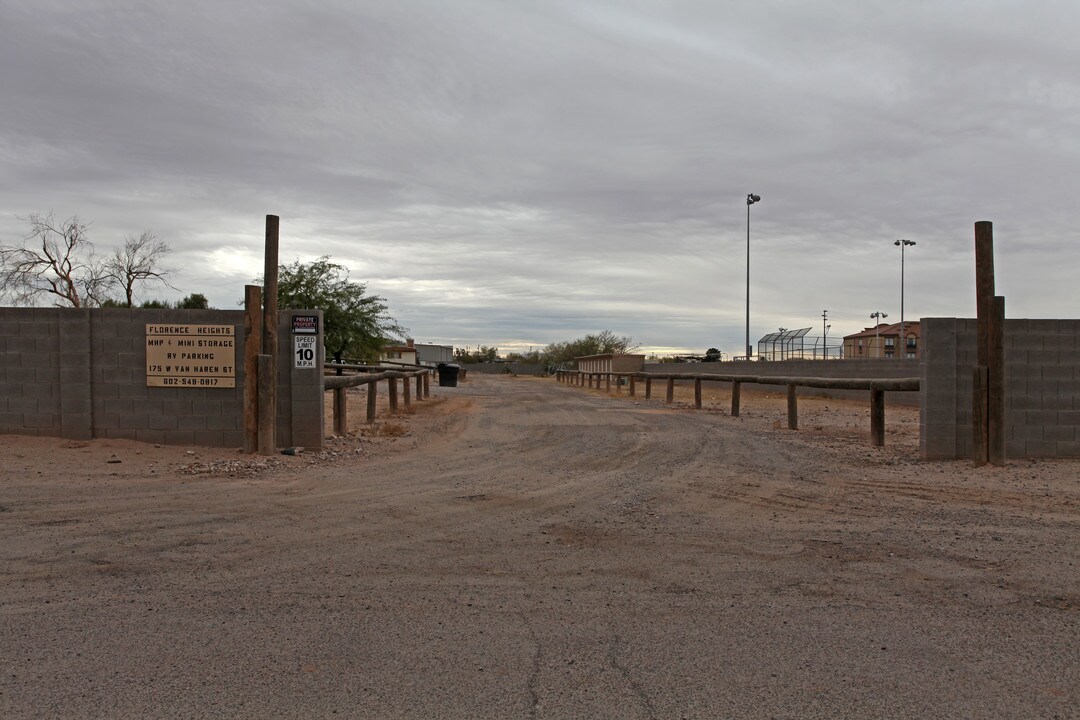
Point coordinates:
[[341, 413], [633, 389], [648, 388], [393, 394], [995, 381], [697, 393], [984, 299], [877, 417], [607, 382], [419, 388], [268, 388], [980, 375], [792, 408], [266, 410], [590, 380], [670, 391], [427, 385], [252, 346], [735, 388], [372, 398], [618, 384], [406, 392]]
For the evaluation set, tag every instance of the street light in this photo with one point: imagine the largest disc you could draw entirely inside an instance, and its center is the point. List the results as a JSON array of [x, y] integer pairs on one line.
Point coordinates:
[[902, 244], [750, 200], [878, 315]]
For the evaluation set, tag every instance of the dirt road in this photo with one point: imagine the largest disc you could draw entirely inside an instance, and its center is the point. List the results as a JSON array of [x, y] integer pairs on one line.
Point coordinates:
[[528, 550]]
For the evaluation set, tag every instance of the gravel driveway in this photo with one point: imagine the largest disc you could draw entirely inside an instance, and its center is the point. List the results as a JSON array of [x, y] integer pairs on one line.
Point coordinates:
[[530, 550]]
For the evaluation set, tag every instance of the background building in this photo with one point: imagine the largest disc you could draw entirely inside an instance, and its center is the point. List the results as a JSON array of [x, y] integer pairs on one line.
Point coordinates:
[[883, 341]]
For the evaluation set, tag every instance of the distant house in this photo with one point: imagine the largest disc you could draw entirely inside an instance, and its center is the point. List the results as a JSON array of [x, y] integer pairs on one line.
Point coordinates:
[[610, 363], [883, 341], [393, 355]]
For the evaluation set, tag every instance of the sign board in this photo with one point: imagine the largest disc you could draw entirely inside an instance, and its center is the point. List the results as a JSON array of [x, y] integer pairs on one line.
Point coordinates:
[[305, 324], [304, 352], [194, 356]]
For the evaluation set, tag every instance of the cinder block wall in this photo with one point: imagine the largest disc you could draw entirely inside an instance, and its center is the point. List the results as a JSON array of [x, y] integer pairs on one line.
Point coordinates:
[[81, 374], [1042, 383]]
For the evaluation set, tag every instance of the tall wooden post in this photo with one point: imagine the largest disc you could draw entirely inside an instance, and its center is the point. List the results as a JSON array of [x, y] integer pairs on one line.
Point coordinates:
[[607, 382], [736, 388], [648, 388], [633, 388], [406, 392], [419, 387], [670, 391], [988, 377], [995, 381], [427, 385], [252, 346], [268, 389], [266, 410], [697, 393], [393, 394]]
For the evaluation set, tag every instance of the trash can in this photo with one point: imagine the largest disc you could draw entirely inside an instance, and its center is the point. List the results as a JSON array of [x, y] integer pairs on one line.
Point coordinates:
[[448, 374]]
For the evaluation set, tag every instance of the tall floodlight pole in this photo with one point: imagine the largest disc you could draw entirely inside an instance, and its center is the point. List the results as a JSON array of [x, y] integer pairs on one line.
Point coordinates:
[[824, 335], [876, 317], [902, 244], [750, 200]]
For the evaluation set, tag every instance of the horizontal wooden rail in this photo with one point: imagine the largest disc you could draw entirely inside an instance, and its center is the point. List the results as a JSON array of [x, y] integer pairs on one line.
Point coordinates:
[[340, 383], [333, 382], [876, 386], [371, 368]]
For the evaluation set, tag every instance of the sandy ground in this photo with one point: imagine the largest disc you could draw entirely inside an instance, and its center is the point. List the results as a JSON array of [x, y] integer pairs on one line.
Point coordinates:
[[517, 548]]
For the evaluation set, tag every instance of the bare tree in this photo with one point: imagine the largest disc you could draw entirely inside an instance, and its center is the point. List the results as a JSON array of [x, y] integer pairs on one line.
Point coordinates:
[[55, 259], [138, 263]]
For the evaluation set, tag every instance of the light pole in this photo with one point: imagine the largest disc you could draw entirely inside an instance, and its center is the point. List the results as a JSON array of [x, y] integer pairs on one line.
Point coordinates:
[[750, 200], [902, 244], [824, 335], [877, 316]]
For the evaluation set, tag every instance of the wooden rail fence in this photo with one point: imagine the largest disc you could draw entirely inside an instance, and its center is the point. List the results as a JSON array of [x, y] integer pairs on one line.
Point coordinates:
[[876, 386], [371, 375]]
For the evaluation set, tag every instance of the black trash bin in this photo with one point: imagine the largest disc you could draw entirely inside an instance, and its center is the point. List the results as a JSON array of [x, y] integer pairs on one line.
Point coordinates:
[[448, 374]]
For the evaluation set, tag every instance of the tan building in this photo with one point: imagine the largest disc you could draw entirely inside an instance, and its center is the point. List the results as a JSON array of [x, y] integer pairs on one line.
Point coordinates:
[[610, 363], [883, 341], [392, 355]]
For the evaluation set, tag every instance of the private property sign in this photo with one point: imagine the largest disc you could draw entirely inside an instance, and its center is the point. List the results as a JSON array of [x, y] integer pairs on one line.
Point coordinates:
[[198, 356]]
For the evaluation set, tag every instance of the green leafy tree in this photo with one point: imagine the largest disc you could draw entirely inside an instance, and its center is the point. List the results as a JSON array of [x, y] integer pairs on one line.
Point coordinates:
[[712, 355], [194, 301], [482, 354], [354, 323], [600, 343]]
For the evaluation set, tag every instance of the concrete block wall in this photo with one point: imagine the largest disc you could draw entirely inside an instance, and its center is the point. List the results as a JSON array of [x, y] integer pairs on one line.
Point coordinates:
[[1042, 386], [81, 374]]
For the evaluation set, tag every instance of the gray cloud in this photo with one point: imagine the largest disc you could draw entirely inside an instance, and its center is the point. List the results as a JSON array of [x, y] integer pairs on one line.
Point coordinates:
[[519, 173]]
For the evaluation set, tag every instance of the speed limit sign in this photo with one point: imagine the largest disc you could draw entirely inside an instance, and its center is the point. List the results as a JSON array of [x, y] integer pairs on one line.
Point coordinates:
[[304, 351]]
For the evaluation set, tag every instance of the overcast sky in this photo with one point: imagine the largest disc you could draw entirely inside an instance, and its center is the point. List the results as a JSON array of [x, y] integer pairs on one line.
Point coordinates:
[[514, 173]]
